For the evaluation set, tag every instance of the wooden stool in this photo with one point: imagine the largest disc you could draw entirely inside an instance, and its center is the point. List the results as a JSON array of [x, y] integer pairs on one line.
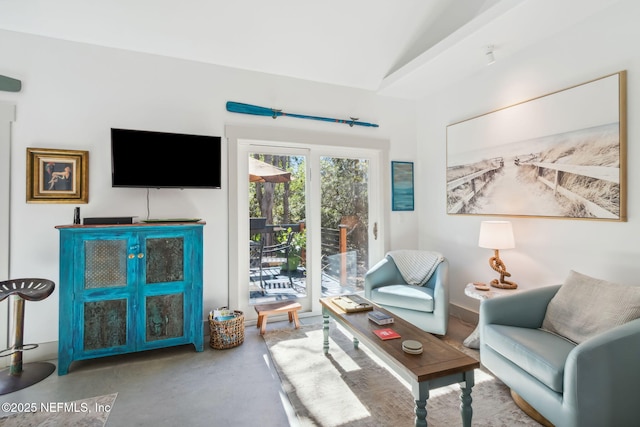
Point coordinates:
[[277, 308]]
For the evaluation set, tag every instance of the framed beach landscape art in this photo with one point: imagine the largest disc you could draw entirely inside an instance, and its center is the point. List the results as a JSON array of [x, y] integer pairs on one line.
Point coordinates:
[[561, 155], [402, 198]]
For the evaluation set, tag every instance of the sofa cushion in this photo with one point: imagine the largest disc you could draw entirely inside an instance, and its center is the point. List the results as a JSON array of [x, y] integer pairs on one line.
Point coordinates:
[[585, 306], [411, 297], [537, 352]]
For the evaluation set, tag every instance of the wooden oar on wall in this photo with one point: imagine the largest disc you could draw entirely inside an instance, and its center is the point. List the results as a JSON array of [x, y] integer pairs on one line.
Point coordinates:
[[237, 107], [8, 84]]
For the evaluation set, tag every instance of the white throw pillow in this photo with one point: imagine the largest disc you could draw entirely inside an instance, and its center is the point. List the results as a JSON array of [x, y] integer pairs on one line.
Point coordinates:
[[585, 306]]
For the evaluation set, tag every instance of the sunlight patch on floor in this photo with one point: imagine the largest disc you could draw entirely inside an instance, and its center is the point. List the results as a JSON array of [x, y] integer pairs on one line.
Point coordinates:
[[375, 358], [317, 382]]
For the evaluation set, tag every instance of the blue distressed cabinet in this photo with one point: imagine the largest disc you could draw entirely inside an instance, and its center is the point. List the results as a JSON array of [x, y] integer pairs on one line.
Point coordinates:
[[127, 288]]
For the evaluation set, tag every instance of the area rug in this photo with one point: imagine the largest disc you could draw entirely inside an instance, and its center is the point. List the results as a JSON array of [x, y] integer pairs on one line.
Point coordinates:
[[352, 387], [91, 412]]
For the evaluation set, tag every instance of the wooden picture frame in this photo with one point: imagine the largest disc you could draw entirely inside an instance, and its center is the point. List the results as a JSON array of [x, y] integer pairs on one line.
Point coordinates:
[[561, 155], [57, 176], [402, 186]]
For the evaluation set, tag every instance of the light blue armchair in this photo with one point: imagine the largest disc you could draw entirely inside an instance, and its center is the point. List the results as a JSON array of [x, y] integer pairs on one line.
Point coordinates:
[[426, 306], [594, 383]]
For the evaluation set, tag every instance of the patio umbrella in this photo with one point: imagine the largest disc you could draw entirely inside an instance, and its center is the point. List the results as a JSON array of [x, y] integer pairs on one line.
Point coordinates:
[[260, 171]]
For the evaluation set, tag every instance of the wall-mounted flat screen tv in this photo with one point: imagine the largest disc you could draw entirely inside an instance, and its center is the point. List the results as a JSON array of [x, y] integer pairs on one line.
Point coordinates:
[[149, 159]]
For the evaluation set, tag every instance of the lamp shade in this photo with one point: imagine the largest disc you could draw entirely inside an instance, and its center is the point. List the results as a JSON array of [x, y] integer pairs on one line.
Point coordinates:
[[496, 235]]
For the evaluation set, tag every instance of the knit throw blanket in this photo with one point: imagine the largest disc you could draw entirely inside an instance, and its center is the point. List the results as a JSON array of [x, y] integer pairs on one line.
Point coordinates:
[[416, 267]]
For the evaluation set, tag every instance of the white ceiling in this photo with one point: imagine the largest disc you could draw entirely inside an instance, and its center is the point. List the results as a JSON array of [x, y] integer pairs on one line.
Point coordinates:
[[401, 48]]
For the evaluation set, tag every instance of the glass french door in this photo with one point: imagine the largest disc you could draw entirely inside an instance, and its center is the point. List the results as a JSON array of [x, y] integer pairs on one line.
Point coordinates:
[[318, 201], [277, 200], [344, 223]]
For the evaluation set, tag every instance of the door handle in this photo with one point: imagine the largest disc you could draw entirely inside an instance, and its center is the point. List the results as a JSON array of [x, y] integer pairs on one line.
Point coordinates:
[[375, 231]]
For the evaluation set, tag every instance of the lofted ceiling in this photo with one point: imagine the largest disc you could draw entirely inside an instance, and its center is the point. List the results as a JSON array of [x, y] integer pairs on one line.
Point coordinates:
[[400, 48]]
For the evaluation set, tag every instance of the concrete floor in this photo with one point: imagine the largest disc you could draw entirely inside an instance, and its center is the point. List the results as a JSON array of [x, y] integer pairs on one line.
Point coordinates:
[[179, 386]]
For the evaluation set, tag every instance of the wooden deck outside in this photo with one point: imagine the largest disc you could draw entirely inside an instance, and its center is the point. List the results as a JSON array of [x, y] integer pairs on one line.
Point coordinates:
[[276, 286]]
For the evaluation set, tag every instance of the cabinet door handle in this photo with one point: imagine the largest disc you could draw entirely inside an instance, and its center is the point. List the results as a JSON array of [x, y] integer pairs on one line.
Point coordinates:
[[131, 256], [141, 255]]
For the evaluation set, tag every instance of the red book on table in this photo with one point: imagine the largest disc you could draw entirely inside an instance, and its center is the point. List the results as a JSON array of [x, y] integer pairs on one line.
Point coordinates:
[[386, 333]]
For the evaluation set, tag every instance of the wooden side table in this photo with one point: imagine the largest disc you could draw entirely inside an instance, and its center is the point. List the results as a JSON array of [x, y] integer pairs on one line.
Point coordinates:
[[473, 340]]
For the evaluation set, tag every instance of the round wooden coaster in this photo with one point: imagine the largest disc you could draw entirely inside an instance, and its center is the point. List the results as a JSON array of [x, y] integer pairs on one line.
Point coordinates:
[[481, 286], [412, 347]]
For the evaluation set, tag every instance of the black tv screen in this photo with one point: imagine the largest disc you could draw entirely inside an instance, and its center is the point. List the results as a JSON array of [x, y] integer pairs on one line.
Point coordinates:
[[164, 160]]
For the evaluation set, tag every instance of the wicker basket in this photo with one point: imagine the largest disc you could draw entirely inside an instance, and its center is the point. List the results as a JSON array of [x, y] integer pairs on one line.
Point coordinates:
[[227, 333]]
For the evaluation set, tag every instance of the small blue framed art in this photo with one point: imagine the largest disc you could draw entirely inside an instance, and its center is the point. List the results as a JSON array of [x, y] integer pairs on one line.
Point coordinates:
[[402, 186]]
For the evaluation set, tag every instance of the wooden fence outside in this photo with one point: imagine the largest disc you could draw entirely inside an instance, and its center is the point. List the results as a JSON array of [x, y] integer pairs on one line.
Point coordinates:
[[335, 242]]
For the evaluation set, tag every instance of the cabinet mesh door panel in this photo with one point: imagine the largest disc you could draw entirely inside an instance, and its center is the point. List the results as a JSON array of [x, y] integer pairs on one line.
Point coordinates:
[[105, 324], [165, 316], [105, 263], [165, 260]]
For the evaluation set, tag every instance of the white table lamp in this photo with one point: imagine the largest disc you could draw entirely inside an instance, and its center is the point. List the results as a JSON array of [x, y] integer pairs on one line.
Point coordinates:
[[497, 235]]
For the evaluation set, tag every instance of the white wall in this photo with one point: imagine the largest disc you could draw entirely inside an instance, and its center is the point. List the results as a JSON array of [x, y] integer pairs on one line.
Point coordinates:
[[546, 248], [73, 94]]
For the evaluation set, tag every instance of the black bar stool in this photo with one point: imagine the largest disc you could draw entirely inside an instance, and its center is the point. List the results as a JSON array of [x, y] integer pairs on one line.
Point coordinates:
[[15, 377]]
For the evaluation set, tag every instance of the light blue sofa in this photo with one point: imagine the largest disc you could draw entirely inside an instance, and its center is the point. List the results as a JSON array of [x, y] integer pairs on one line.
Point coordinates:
[[426, 307], [594, 383]]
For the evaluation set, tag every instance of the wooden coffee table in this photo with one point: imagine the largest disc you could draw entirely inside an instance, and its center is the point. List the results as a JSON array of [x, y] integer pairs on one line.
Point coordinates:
[[439, 365]]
